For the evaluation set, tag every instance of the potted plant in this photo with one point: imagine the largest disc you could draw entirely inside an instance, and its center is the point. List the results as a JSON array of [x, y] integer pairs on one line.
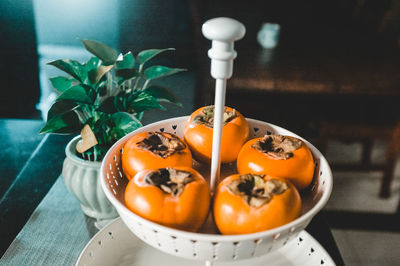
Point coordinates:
[[103, 99]]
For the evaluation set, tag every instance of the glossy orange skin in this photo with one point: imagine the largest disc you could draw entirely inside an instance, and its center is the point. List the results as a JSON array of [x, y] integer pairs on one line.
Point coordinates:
[[233, 215], [298, 169], [135, 159], [199, 138], [186, 212]]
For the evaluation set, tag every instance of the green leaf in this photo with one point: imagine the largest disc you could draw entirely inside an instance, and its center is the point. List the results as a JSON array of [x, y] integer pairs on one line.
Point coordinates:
[[127, 62], [102, 86], [146, 55], [156, 72], [92, 63], [108, 105], [96, 71], [67, 123], [96, 74], [77, 94], [61, 83], [72, 67], [144, 102], [125, 74], [59, 108], [124, 123], [107, 54], [162, 94], [139, 115]]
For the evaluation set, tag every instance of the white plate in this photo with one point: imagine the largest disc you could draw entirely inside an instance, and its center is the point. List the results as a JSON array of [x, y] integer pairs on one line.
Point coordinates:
[[115, 244]]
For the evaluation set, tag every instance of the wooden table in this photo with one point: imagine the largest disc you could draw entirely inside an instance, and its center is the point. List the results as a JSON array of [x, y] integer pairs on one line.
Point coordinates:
[[47, 226]]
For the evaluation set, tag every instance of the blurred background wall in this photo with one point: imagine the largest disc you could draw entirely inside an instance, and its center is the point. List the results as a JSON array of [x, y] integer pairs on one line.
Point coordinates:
[[39, 31], [19, 72]]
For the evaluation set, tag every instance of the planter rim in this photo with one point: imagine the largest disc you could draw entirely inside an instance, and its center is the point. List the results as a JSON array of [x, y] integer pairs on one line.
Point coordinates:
[[71, 154]]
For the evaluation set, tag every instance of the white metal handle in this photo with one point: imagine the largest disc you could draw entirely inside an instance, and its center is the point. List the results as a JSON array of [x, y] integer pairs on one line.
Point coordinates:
[[222, 32]]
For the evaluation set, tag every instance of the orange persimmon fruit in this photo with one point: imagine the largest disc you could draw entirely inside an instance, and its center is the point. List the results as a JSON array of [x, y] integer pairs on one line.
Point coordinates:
[[198, 134], [177, 197], [277, 155], [250, 203], [152, 150]]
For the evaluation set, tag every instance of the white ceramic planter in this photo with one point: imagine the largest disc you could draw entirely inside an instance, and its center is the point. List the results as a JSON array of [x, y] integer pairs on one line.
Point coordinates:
[[82, 180]]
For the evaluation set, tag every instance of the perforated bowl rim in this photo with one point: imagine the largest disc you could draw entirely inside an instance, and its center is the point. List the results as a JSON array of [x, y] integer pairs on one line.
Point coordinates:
[[303, 219]]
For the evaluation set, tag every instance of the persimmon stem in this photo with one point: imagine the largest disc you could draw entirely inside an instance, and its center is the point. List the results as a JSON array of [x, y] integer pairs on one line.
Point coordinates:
[[206, 117], [255, 190], [161, 145], [277, 146], [169, 180]]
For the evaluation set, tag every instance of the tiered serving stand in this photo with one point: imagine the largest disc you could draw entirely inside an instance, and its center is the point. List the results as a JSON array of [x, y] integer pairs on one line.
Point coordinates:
[[208, 245]]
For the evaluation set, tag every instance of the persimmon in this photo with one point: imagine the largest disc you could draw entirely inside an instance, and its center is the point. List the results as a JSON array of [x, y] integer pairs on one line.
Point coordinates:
[[177, 197], [250, 203], [151, 150], [198, 134], [277, 155]]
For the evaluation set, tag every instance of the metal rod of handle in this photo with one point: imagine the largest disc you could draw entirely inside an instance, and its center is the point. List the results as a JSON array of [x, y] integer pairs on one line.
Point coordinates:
[[219, 107]]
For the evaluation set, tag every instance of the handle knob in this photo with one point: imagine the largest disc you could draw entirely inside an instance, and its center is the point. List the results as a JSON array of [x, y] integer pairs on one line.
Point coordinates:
[[223, 29], [222, 32]]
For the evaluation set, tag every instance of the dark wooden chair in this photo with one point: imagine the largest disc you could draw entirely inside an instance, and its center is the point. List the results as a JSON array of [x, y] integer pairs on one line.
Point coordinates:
[[366, 134]]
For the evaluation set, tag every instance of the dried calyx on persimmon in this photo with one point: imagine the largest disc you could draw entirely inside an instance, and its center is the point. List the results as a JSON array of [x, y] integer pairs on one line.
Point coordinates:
[[161, 145], [169, 180], [206, 117], [255, 190], [277, 146]]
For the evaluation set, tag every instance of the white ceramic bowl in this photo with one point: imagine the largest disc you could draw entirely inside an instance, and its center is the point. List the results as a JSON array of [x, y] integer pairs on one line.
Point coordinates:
[[208, 245]]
